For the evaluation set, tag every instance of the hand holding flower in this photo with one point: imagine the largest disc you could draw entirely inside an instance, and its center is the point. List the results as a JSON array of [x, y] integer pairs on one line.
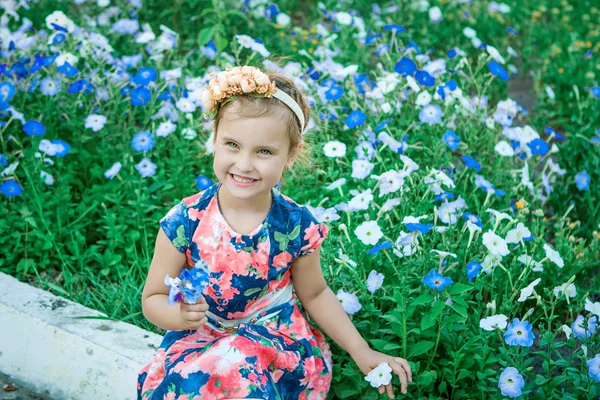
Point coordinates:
[[378, 367]]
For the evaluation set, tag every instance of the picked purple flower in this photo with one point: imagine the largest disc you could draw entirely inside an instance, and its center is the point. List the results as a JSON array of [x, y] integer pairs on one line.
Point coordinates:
[[188, 285]]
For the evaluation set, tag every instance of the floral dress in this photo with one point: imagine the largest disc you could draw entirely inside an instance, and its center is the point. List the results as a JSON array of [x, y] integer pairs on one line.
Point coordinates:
[[258, 343]]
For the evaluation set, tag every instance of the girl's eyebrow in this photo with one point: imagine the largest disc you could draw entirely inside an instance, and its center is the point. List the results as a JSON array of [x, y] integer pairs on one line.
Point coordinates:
[[227, 138]]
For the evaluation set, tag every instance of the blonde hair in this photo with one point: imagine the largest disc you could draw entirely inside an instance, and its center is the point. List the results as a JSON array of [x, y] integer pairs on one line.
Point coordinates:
[[254, 107]]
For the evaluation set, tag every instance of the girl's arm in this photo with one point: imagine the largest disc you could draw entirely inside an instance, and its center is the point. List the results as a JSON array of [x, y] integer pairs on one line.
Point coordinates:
[[155, 297], [323, 305], [326, 310]]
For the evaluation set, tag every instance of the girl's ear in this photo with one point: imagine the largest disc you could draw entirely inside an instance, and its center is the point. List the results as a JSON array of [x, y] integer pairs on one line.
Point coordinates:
[[295, 153]]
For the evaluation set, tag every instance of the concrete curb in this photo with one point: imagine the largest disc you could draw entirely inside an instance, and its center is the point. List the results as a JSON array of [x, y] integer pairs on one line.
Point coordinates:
[[44, 344]]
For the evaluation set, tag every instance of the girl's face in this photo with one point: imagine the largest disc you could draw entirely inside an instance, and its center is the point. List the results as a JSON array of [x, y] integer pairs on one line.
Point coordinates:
[[250, 148]]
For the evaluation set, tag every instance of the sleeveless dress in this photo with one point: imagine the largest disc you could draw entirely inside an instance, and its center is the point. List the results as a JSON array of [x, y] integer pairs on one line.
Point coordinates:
[[258, 342]]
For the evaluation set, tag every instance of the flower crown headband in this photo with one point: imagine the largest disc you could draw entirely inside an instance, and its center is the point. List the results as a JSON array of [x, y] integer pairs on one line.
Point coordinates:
[[233, 82]]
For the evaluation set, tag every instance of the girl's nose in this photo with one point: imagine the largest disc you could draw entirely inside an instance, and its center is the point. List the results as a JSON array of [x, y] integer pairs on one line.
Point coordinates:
[[244, 163]]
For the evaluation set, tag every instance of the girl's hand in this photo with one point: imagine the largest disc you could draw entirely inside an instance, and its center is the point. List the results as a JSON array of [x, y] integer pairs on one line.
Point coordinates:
[[194, 315], [369, 359]]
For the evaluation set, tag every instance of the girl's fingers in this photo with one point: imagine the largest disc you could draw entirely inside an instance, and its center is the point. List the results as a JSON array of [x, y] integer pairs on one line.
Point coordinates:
[[390, 391], [405, 366], [381, 389], [402, 374]]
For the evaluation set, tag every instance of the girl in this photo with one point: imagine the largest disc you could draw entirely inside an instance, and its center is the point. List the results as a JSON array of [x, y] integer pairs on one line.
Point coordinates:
[[247, 337]]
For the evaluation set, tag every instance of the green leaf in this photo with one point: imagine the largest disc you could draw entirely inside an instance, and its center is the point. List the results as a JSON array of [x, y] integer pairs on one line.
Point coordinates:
[[181, 241], [250, 292], [205, 35], [419, 348], [458, 288], [422, 299]]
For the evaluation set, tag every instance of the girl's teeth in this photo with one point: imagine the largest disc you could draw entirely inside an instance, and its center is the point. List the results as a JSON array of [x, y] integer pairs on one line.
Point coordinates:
[[242, 180]]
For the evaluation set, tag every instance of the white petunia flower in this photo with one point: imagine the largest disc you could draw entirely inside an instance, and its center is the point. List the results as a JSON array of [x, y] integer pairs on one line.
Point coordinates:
[[504, 148], [571, 290], [435, 14], [334, 148], [495, 244], [185, 105], [361, 168], [515, 235], [95, 122], [336, 184], [490, 323], [368, 232], [492, 51], [349, 302], [380, 376], [423, 99], [528, 260], [553, 256], [48, 179], [528, 291], [374, 281], [165, 128], [113, 170], [568, 332], [593, 308], [361, 201]]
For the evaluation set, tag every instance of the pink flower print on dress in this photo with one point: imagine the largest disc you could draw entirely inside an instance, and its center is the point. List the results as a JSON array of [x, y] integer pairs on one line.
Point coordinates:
[[314, 234], [282, 260]]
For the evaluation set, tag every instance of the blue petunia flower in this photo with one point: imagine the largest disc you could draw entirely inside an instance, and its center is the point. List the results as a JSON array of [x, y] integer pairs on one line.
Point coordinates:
[[473, 269], [451, 140], [412, 45], [62, 148], [519, 333], [511, 383], [394, 28], [552, 133], [451, 53], [355, 119], [423, 228], [3, 160], [594, 367], [210, 50], [474, 219], [588, 54], [444, 196], [271, 11], [363, 83], [424, 78], [512, 31], [378, 247], [59, 28], [80, 85], [335, 92], [596, 92], [436, 281], [582, 180], [144, 76], [59, 39], [11, 188], [538, 146], [67, 69], [497, 70], [382, 124], [7, 91], [580, 331], [431, 114], [370, 40], [202, 182], [313, 73], [382, 49], [405, 66], [471, 163], [143, 141], [34, 128], [140, 96]]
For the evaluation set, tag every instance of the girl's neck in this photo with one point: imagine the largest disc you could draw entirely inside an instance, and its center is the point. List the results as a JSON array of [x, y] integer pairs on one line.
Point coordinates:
[[261, 203]]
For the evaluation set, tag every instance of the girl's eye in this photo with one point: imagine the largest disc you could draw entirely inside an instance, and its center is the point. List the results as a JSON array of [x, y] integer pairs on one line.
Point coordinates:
[[228, 143], [267, 151]]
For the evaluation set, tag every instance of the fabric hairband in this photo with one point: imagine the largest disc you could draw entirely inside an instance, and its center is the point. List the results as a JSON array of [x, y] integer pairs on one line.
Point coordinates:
[[251, 81]]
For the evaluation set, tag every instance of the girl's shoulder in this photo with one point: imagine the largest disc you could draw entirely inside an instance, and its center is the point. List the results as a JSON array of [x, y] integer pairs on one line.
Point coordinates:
[[201, 199], [299, 211]]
